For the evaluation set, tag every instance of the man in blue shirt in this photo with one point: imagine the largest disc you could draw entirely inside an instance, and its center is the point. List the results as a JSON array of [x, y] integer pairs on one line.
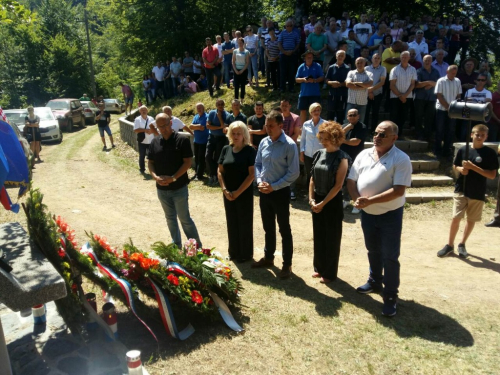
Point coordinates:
[[289, 43], [227, 53], [217, 138], [201, 132], [276, 167], [309, 75]]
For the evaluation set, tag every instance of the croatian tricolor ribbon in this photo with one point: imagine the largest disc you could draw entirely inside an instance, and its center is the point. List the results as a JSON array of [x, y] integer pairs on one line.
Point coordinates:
[[167, 315], [178, 269], [124, 285]]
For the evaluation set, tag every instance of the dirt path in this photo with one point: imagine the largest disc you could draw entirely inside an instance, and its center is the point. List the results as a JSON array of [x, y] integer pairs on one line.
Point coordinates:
[[95, 191]]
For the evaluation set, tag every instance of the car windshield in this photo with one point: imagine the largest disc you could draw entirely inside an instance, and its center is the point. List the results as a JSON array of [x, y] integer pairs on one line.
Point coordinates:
[[91, 105], [45, 114], [56, 104], [109, 100], [16, 117]]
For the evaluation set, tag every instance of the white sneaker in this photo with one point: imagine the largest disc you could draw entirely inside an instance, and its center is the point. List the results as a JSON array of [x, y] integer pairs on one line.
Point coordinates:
[[346, 203], [355, 210]]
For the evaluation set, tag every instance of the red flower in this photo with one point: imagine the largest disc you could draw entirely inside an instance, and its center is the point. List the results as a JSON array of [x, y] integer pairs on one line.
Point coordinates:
[[196, 297], [206, 251], [74, 288], [61, 252], [173, 279]]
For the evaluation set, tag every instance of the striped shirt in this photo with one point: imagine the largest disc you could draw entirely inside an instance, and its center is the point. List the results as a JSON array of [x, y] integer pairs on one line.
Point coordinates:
[[289, 40], [449, 88], [377, 72], [404, 78], [359, 97], [272, 48]]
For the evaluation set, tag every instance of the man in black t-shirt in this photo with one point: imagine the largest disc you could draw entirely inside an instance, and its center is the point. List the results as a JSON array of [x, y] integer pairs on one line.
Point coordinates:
[[256, 125], [103, 119], [481, 163], [354, 143], [169, 158]]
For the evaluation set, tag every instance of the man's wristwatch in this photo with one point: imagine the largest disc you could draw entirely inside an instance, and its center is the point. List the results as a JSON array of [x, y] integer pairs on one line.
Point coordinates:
[[173, 179]]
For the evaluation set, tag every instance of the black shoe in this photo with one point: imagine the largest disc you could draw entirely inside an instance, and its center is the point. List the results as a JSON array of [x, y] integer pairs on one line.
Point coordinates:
[[492, 224], [104, 148], [389, 308], [369, 287], [113, 146], [462, 252], [286, 272], [263, 263], [446, 250]]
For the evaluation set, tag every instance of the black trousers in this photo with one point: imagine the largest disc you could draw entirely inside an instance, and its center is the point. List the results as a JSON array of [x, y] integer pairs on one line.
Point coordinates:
[[327, 234], [308, 162], [214, 147], [276, 206], [373, 107], [425, 114], [199, 159], [273, 73], [399, 112], [336, 108], [239, 82], [143, 149], [239, 219]]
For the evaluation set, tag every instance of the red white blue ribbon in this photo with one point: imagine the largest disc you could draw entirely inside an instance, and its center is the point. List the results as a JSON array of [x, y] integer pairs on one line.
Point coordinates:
[[178, 269], [124, 285], [167, 315]]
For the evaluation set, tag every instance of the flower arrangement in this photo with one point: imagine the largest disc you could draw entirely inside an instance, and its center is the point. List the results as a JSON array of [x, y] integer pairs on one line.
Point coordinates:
[[188, 274]]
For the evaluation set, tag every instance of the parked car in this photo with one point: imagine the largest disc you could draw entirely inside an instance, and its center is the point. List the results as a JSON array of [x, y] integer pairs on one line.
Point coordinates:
[[114, 105], [49, 126], [90, 111], [68, 112]]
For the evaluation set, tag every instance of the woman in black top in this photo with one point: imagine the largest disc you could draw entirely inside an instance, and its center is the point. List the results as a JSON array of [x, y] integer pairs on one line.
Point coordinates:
[[329, 170], [236, 174], [32, 132]]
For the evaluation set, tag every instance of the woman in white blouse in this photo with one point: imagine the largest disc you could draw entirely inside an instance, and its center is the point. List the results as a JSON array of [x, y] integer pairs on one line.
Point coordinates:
[[251, 44], [309, 142]]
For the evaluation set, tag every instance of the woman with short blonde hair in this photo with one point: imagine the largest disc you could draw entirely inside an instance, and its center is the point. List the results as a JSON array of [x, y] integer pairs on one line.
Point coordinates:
[[309, 143], [236, 174]]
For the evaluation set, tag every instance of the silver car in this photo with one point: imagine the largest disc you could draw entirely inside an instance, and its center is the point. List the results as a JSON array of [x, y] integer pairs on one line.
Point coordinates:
[[114, 106], [90, 111], [49, 126]]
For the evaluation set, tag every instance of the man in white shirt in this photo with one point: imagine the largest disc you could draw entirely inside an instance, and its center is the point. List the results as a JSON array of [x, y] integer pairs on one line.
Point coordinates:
[[358, 81], [309, 28], [448, 89], [175, 71], [419, 45], [146, 130], [177, 124], [159, 72], [479, 94], [333, 37], [344, 31], [377, 183], [363, 32]]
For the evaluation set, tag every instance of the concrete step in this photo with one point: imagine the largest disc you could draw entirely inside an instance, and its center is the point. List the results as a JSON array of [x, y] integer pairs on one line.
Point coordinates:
[[430, 180], [407, 146], [423, 197], [424, 165]]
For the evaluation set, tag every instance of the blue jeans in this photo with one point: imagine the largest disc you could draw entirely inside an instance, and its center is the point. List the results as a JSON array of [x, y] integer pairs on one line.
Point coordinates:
[[143, 149], [175, 205], [383, 242], [253, 66], [175, 82], [227, 72], [445, 130], [361, 109]]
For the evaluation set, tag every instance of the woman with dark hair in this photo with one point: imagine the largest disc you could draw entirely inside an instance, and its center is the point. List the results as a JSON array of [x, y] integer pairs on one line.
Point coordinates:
[[386, 43], [354, 21], [329, 171], [32, 132], [241, 60]]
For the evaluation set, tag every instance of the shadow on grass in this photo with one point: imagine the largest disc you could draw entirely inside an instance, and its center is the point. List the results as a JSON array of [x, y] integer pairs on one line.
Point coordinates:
[[412, 319], [482, 263], [294, 287]]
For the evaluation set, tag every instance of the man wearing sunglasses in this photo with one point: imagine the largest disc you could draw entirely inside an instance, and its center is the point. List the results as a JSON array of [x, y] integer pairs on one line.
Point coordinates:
[[377, 183]]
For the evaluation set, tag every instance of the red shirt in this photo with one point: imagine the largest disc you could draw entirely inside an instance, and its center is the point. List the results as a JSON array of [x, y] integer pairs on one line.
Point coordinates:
[[495, 101], [211, 54]]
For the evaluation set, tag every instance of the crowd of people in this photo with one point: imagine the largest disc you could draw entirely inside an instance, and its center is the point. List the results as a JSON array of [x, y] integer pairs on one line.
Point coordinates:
[[391, 61]]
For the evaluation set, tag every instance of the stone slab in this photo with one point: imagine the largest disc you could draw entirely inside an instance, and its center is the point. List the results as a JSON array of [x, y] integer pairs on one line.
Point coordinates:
[[33, 280], [427, 197], [407, 146], [424, 181], [424, 165]]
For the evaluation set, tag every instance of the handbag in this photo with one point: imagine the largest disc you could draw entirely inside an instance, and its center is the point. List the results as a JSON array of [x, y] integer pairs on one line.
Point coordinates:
[[141, 136]]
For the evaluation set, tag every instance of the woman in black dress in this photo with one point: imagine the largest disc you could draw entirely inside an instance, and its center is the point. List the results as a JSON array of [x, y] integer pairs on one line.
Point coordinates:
[[329, 170], [32, 132], [236, 174]]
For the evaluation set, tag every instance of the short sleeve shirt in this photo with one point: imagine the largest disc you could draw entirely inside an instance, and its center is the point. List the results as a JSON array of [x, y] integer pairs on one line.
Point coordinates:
[[359, 97], [214, 120], [201, 136], [478, 96], [324, 169], [236, 165], [240, 117], [450, 89], [339, 74], [317, 42], [225, 47], [104, 119], [403, 79], [289, 40], [363, 31], [168, 156], [291, 123], [315, 71], [358, 132], [257, 124], [377, 73], [422, 76], [211, 54]]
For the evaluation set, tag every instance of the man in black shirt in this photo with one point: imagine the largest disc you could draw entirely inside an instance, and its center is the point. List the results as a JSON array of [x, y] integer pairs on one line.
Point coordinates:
[[256, 125], [481, 164], [169, 158], [103, 119], [354, 143]]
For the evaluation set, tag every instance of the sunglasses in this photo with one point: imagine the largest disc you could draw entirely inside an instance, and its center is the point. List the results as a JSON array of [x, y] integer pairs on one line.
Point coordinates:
[[380, 135], [480, 80], [351, 115]]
